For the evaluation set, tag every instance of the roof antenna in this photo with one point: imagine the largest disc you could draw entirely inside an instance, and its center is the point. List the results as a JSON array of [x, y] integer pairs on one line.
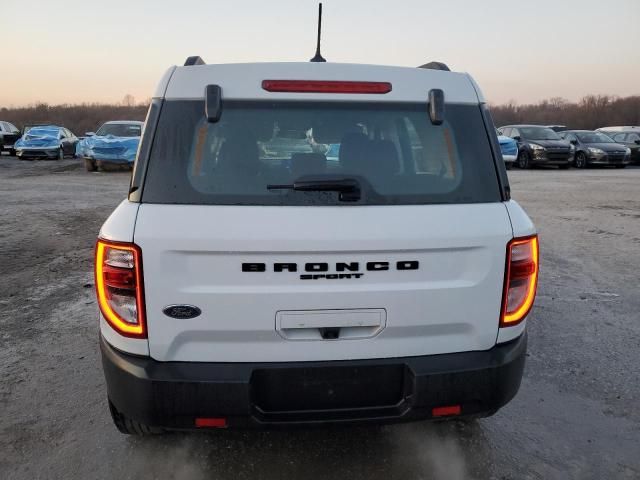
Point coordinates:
[[318, 57]]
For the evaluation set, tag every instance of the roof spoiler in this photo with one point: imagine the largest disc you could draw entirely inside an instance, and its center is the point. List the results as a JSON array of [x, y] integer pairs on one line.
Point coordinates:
[[195, 60], [436, 66]]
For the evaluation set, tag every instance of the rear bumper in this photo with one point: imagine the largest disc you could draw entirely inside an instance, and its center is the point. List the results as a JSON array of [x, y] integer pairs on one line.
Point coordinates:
[[173, 394]]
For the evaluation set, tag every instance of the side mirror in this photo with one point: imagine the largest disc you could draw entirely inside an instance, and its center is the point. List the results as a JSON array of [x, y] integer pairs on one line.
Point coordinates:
[[213, 102], [517, 138], [574, 142], [89, 134], [436, 106]]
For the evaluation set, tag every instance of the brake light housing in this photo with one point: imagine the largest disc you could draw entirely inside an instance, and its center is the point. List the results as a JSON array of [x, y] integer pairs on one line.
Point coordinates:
[[325, 86], [520, 281], [119, 287]]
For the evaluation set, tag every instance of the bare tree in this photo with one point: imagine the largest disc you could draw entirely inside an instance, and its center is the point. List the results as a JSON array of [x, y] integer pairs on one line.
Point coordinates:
[[128, 100]]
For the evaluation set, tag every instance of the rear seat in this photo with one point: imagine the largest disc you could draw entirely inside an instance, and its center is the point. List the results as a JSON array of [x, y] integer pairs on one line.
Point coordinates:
[[307, 164]]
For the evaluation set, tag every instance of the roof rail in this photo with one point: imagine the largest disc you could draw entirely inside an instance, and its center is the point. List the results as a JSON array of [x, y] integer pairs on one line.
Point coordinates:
[[195, 60], [436, 66]]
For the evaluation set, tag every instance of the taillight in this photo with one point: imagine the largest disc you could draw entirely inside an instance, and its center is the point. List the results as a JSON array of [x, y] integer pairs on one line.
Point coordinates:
[[118, 270], [520, 281], [325, 86]]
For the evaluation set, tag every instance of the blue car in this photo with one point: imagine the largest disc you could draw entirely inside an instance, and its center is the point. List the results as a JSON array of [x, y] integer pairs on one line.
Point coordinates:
[[115, 143], [509, 149], [46, 141]]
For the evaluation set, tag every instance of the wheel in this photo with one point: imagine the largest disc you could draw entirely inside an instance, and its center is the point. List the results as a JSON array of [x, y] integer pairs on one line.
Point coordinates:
[[90, 165], [130, 427], [61, 154], [524, 159], [581, 160]]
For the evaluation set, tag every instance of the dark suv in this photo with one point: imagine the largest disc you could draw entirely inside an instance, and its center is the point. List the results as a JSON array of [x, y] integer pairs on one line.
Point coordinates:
[[596, 148], [539, 145]]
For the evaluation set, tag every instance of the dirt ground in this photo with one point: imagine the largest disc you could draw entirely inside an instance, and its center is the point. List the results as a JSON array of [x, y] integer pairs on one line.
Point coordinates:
[[576, 415]]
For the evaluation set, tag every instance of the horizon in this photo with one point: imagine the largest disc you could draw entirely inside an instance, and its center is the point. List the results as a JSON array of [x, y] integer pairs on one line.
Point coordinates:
[[518, 54]]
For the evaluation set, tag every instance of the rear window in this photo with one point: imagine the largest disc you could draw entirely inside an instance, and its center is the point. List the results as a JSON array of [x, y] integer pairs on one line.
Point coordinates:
[[393, 152]]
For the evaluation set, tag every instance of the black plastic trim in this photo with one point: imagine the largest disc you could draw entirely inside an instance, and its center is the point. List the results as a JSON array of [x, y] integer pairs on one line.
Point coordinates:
[[146, 143], [501, 169], [172, 394]]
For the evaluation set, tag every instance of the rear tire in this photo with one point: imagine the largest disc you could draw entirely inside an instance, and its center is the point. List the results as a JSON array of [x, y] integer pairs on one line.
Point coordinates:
[[130, 427], [90, 165], [524, 160]]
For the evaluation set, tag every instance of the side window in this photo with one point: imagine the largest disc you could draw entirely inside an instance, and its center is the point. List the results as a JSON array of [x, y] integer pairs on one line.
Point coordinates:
[[570, 137], [620, 137], [13, 128], [514, 133], [506, 131], [68, 133], [633, 137], [62, 133], [3, 127]]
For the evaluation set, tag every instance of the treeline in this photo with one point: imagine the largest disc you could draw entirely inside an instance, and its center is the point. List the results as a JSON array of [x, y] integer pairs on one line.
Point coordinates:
[[80, 118], [591, 112]]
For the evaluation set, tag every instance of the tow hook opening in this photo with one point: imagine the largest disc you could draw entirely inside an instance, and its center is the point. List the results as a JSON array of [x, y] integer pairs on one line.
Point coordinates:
[[332, 333]]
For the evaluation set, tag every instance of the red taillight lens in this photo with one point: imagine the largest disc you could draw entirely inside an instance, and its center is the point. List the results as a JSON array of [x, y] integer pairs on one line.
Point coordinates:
[[521, 279], [118, 270], [325, 86]]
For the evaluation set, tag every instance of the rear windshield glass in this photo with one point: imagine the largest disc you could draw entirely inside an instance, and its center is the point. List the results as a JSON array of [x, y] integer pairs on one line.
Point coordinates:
[[119, 130], [539, 133], [258, 152]]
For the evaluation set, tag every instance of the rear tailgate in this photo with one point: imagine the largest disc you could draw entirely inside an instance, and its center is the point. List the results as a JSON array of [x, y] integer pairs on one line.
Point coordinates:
[[193, 255]]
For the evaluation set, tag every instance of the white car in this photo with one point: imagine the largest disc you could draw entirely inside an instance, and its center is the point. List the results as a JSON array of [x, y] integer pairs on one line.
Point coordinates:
[[240, 288]]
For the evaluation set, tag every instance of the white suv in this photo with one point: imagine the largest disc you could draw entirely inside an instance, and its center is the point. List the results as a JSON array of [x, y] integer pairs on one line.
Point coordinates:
[[314, 242]]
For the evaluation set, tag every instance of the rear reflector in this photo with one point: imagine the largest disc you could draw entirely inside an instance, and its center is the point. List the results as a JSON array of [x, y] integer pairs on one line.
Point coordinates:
[[325, 86], [211, 422], [446, 411], [118, 272], [521, 279]]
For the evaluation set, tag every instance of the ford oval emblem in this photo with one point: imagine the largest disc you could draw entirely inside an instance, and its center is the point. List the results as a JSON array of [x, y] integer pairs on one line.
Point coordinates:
[[181, 312]]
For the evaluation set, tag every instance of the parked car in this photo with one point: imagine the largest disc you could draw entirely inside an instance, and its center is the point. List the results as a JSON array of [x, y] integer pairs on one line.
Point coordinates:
[[627, 136], [49, 141], [596, 148], [539, 145], [9, 134], [235, 291], [509, 149], [115, 143]]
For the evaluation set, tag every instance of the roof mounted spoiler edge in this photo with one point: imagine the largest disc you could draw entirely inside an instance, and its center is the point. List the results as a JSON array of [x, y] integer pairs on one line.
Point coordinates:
[[436, 66], [195, 60]]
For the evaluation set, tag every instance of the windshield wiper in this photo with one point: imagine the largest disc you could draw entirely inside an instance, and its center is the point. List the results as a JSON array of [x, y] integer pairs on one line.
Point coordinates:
[[348, 188]]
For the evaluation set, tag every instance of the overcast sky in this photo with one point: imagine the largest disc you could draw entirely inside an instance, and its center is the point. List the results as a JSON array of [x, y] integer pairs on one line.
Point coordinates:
[[87, 51]]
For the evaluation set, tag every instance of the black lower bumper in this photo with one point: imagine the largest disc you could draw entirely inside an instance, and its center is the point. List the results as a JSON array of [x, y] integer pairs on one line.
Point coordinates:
[[173, 394]]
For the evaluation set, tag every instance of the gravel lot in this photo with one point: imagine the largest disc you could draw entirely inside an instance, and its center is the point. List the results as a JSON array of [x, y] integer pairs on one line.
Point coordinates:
[[576, 416]]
